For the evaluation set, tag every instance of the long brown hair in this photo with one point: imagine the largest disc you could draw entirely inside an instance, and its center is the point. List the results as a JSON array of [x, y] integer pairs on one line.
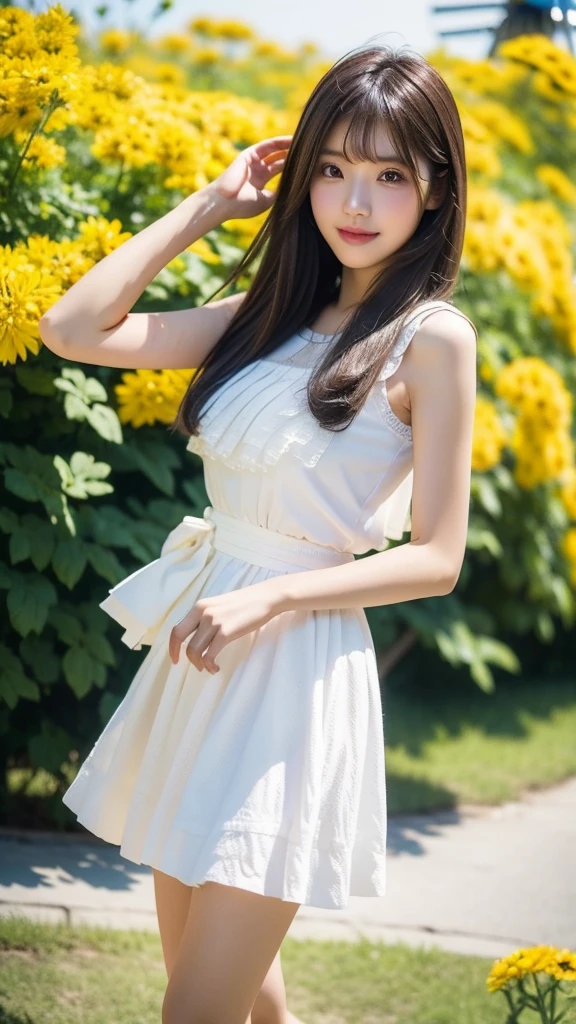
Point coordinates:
[[299, 275]]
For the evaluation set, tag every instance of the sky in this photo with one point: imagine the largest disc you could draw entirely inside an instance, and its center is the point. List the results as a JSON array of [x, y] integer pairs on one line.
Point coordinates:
[[336, 26]]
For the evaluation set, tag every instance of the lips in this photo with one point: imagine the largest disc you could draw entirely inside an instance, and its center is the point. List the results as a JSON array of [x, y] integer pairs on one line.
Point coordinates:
[[356, 237]]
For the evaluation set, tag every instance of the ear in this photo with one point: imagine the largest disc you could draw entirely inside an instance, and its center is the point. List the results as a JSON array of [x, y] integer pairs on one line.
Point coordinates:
[[438, 190]]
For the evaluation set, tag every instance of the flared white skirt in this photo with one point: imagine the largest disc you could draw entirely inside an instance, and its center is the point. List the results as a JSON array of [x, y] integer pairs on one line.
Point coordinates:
[[268, 775]]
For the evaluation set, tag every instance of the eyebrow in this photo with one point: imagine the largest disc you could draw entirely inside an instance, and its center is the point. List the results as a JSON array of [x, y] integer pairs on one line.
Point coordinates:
[[381, 158]]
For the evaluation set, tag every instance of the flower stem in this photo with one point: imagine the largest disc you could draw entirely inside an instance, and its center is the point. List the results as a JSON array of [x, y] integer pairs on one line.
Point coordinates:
[[55, 101], [541, 1002]]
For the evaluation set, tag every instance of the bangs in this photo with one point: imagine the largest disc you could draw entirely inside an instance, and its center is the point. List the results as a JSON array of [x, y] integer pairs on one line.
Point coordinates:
[[372, 110]]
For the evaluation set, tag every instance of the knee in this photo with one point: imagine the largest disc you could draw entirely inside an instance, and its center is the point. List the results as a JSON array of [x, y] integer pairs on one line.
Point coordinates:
[[269, 1009]]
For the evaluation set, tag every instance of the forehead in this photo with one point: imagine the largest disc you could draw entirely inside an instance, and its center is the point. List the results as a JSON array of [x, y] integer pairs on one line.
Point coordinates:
[[380, 136]]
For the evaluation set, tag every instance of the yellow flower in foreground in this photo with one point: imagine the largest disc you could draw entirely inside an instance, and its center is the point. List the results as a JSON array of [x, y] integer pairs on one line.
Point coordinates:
[[560, 963], [151, 396], [25, 295]]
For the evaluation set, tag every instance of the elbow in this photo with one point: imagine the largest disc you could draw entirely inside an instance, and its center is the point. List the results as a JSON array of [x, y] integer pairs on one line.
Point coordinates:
[[449, 580], [52, 334]]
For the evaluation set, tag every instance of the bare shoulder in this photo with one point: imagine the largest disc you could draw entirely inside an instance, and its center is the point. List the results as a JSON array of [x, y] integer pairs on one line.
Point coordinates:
[[444, 338], [445, 330]]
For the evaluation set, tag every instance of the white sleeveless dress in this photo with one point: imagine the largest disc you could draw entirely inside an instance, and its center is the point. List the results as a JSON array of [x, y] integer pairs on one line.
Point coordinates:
[[268, 775]]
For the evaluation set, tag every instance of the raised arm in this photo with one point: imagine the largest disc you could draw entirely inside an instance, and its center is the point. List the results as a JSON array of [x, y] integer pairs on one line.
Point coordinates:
[[92, 322]]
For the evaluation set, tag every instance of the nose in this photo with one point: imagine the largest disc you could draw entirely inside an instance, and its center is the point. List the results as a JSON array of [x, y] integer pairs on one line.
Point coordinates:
[[357, 200]]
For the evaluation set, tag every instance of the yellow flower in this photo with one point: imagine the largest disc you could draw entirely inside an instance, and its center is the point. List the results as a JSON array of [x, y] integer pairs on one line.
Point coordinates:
[[202, 248], [518, 965], [25, 295], [42, 152], [557, 182], [489, 435], [115, 40], [538, 51], [151, 396], [99, 237], [63, 260]]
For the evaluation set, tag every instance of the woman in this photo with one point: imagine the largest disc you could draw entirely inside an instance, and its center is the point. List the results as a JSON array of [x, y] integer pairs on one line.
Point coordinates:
[[246, 763]]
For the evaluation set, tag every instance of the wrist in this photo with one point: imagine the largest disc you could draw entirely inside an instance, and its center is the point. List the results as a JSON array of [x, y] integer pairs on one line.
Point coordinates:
[[212, 206], [282, 594]]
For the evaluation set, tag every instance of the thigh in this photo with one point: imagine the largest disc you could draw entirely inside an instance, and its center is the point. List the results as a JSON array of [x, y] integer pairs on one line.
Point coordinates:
[[172, 904], [229, 943], [270, 1004]]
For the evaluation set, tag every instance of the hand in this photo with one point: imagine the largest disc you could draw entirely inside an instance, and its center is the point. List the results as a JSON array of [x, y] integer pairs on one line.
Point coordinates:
[[215, 621], [242, 183]]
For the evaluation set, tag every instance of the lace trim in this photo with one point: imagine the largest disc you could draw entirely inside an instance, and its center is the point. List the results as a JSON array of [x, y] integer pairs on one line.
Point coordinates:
[[404, 430], [395, 357]]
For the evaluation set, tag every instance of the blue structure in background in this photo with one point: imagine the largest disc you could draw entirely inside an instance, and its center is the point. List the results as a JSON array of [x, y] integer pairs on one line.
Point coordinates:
[[521, 17]]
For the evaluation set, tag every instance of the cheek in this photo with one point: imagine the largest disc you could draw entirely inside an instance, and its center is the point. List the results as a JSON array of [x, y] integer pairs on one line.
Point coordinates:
[[402, 206], [322, 201]]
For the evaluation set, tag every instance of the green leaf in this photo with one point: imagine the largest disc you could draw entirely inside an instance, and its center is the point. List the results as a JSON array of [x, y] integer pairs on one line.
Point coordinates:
[[29, 600], [486, 492], [37, 380], [78, 668], [67, 624], [14, 683], [39, 655], [19, 545], [41, 539], [107, 705], [544, 627], [498, 653], [74, 374], [482, 539], [83, 476], [6, 403], [482, 675], [69, 561], [94, 391], [565, 600], [105, 422], [76, 408], [23, 486], [49, 749], [84, 464], [150, 457], [105, 563], [99, 647], [8, 520]]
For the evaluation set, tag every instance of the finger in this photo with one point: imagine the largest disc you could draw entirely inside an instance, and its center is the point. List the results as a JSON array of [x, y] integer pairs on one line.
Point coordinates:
[[274, 158], [181, 631], [279, 142], [212, 653], [197, 646]]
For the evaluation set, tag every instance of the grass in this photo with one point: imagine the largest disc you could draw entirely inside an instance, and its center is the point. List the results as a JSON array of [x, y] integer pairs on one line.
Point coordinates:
[[447, 746], [60, 975]]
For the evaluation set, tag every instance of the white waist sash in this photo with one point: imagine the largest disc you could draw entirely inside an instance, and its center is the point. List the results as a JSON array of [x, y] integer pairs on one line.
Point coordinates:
[[142, 601]]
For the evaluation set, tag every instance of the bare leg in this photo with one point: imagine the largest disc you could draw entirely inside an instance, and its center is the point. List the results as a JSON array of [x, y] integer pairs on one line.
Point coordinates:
[[230, 941], [172, 905]]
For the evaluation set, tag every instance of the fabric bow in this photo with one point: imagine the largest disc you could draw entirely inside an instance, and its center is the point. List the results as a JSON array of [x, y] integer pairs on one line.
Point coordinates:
[[142, 601]]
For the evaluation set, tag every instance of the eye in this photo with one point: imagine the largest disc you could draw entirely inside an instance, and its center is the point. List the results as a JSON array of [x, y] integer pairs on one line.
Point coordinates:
[[399, 177]]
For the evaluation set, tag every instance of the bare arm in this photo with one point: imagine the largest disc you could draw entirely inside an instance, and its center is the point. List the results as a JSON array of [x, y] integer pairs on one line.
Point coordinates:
[[92, 322], [443, 399]]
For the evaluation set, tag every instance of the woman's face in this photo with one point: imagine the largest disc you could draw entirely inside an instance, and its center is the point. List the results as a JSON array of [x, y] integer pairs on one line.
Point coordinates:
[[376, 197]]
